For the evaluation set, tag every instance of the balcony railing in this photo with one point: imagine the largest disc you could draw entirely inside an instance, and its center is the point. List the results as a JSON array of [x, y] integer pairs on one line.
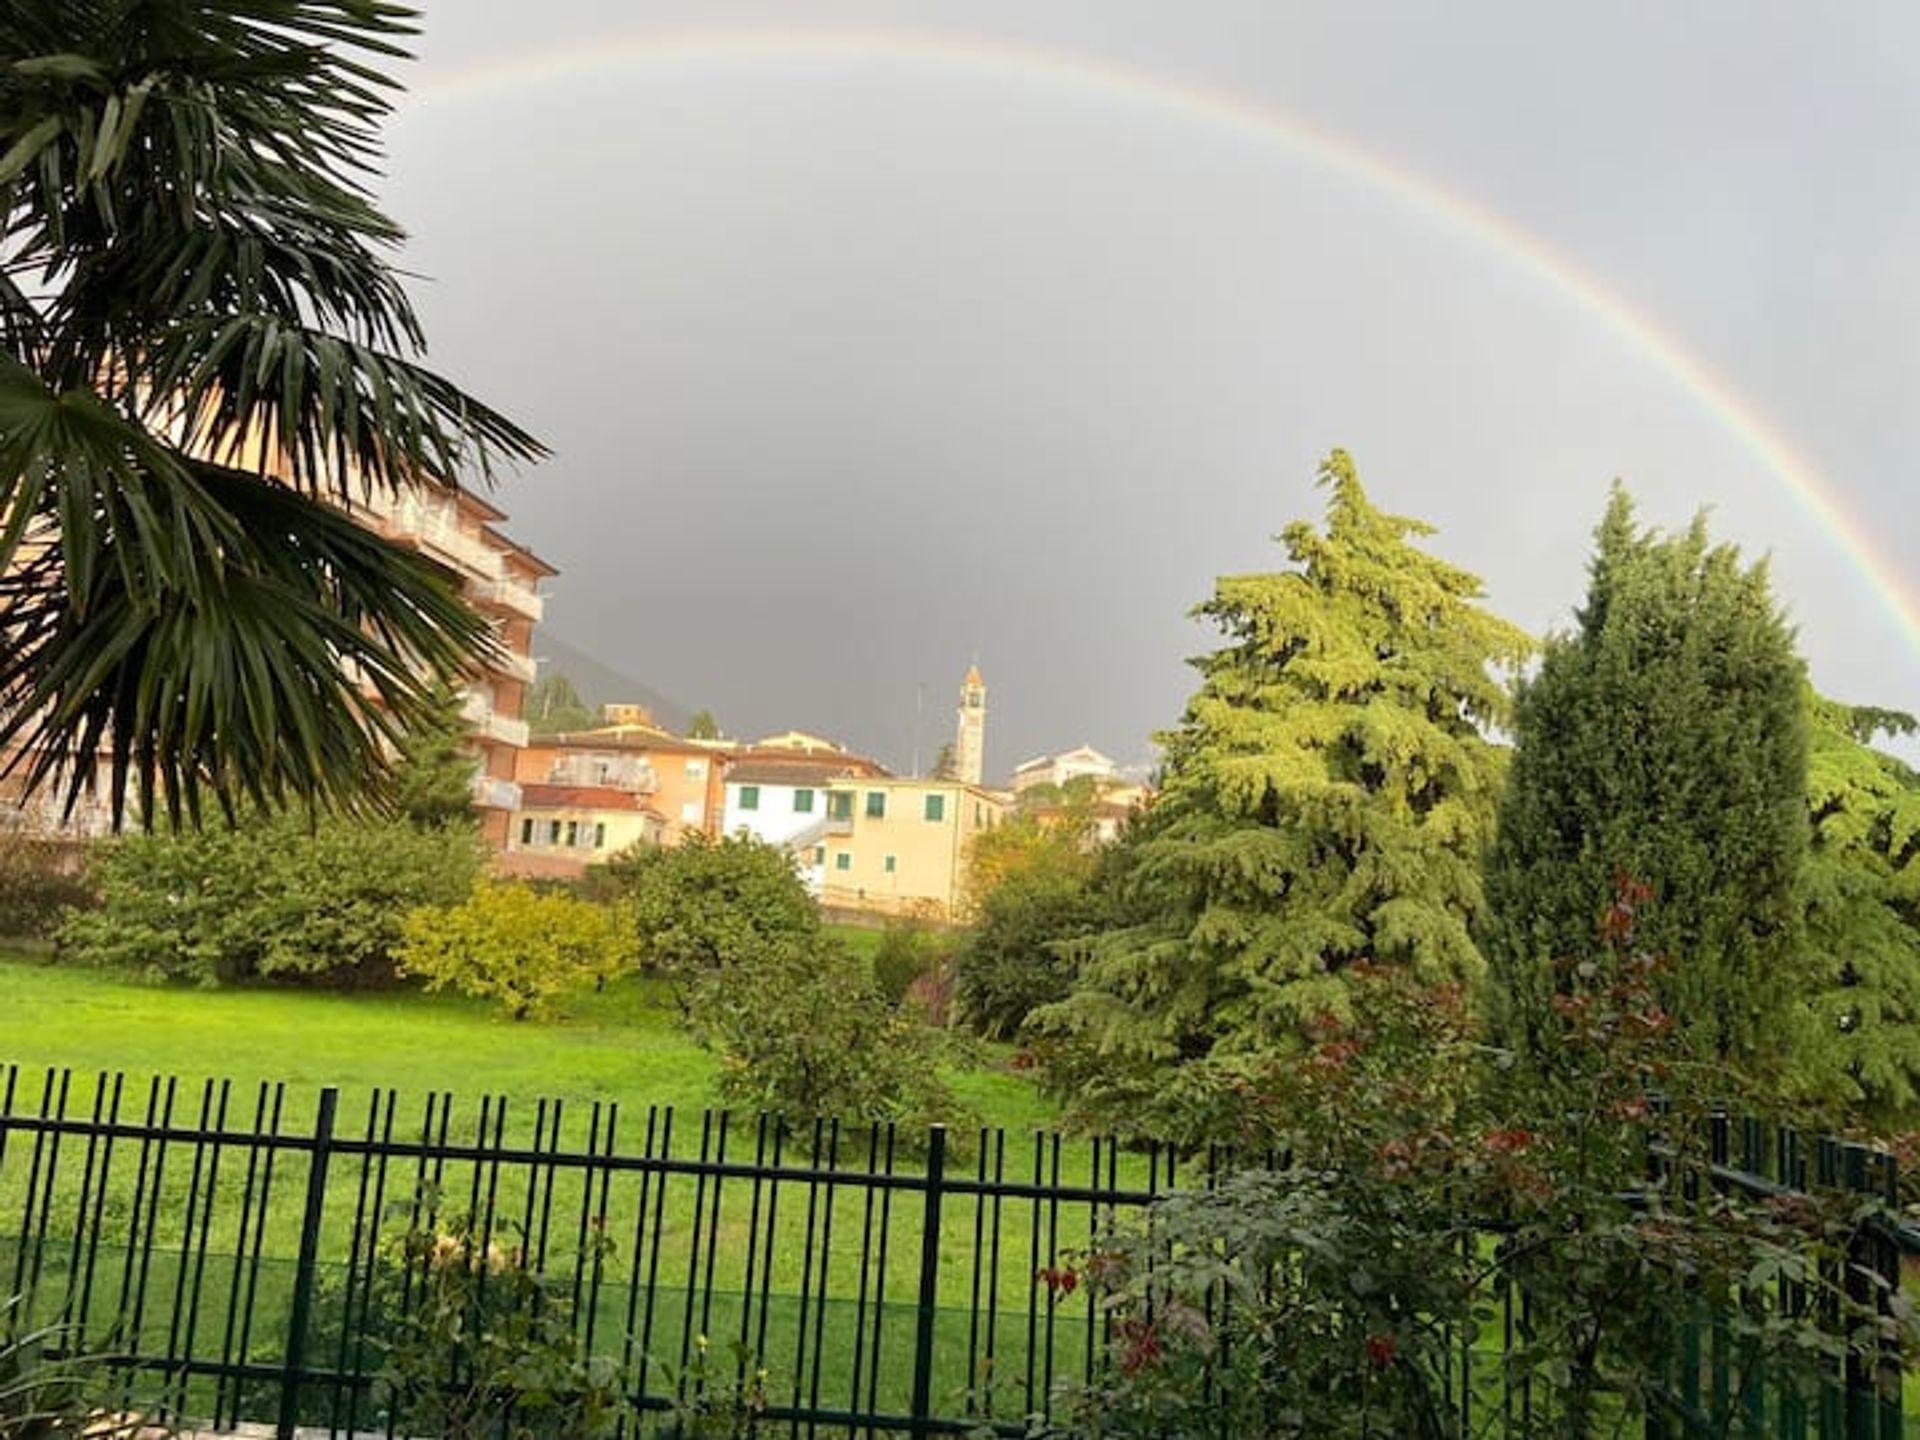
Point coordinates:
[[492, 793], [507, 594]]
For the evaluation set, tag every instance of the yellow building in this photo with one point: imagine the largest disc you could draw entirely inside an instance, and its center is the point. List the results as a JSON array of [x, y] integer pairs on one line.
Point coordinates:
[[899, 846]]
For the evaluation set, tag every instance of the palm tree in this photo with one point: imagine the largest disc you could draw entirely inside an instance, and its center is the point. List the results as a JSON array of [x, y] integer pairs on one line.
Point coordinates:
[[207, 358]]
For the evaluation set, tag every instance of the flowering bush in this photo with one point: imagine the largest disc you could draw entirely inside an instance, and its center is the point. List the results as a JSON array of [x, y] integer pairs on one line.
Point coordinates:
[[1408, 1190]]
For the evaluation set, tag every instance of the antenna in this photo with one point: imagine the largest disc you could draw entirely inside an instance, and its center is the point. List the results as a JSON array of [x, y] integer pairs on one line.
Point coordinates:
[[919, 709]]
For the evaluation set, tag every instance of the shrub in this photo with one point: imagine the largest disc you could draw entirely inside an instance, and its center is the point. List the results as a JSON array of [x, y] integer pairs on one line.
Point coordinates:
[[268, 898], [1020, 954], [908, 956], [704, 903], [802, 1031], [513, 944]]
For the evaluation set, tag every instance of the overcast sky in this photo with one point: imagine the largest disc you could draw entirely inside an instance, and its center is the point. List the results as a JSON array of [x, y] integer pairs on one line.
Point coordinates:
[[861, 365]]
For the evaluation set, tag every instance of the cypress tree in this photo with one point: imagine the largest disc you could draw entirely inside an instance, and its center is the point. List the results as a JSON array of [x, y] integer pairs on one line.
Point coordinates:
[[1663, 740], [1326, 799]]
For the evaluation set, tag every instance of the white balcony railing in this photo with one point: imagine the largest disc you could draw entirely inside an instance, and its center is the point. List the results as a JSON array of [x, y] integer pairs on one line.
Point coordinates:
[[485, 721], [514, 595], [493, 793]]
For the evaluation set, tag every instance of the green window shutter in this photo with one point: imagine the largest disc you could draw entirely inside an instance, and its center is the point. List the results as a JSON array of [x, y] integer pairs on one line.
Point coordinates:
[[892, 863], [840, 804], [843, 861], [749, 797], [803, 802], [936, 807], [819, 854], [876, 804], [599, 836]]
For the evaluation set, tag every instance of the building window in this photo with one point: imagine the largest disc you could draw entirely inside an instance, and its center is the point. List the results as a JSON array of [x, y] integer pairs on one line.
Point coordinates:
[[876, 804], [803, 802], [843, 861], [526, 832], [696, 769], [599, 835], [553, 832], [573, 832], [819, 854], [891, 864], [979, 815], [936, 807], [839, 804], [749, 797]]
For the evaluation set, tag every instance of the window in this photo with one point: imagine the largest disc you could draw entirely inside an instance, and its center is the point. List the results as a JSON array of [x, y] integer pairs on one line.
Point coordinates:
[[553, 832], [843, 861], [526, 832], [876, 804], [839, 804], [979, 815], [696, 769], [819, 854], [599, 835], [749, 797], [936, 807], [573, 832], [892, 863], [803, 802]]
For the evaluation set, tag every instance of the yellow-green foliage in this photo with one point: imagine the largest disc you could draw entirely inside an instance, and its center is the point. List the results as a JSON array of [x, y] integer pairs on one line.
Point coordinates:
[[1328, 796], [513, 944]]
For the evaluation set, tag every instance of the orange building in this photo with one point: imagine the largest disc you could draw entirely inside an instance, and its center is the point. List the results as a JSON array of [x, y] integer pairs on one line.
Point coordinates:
[[585, 796]]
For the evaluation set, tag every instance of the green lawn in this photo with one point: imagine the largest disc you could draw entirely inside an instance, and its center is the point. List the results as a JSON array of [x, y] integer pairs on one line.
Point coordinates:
[[619, 1045]]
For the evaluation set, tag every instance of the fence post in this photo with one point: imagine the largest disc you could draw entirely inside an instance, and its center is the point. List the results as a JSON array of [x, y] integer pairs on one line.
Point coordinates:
[[929, 1284], [303, 1273]]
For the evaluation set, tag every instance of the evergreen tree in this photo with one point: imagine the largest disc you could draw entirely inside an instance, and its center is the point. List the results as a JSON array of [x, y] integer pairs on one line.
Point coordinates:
[[1663, 740], [1863, 910], [946, 766], [433, 776], [703, 726], [1326, 800]]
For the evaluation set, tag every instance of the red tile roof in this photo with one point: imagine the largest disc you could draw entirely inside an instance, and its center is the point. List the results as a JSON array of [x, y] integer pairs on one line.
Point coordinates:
[[578, 797]]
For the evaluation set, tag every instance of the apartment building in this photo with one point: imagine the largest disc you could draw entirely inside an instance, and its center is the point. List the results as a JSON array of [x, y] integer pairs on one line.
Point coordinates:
[[502, 579], [777, 792], [896, 846], [583, 797]]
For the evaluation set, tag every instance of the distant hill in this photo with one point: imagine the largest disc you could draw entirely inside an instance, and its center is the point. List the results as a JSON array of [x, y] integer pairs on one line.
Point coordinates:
[[600, 684]]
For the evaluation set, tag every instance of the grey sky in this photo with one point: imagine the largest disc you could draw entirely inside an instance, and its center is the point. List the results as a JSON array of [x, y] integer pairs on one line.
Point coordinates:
[[860, 367]]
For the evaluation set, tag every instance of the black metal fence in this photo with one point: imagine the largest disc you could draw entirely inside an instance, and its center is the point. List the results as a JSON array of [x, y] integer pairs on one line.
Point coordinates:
[[237, 1252]]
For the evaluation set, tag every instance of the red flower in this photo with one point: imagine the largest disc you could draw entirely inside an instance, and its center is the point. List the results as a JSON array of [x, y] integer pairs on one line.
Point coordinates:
[[1508, 1142], [1381, 1350]]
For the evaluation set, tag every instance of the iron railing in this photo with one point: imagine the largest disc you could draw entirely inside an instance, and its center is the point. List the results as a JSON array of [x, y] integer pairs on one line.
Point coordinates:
[[236, 1251]]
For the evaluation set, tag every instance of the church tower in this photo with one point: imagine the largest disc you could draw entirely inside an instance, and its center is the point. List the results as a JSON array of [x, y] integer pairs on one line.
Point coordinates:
[[970, 744]]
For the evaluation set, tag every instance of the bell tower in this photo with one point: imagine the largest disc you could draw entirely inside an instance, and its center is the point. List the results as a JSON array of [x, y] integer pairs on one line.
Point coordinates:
[[970, 743]]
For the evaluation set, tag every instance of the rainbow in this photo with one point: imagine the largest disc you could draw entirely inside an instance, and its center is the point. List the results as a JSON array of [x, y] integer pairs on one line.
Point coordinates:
[[1110, 82]]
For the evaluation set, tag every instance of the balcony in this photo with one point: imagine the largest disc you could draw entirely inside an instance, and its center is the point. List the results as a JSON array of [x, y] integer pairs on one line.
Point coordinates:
[[490, 724], [513, 665], [493, 793], [503, 593]]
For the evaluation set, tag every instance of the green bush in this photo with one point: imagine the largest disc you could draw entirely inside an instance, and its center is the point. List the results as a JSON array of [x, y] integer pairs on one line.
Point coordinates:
[[909, 955], [276, 898], [803, 1031], [512, 944], [1019, 955], [702, 904]]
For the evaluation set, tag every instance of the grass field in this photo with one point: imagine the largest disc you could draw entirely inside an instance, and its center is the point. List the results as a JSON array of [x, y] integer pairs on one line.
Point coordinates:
[[622, 1044]]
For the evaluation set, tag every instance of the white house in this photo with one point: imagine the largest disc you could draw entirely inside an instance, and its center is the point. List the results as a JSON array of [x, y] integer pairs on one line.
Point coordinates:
[[1059, 769], [780, 796]]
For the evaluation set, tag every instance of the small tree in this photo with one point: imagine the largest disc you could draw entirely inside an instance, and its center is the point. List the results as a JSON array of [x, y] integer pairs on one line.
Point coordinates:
[[703, 726], [706, 903], [515, 945], [1664, 738], [802, 1031], [946, 766]]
